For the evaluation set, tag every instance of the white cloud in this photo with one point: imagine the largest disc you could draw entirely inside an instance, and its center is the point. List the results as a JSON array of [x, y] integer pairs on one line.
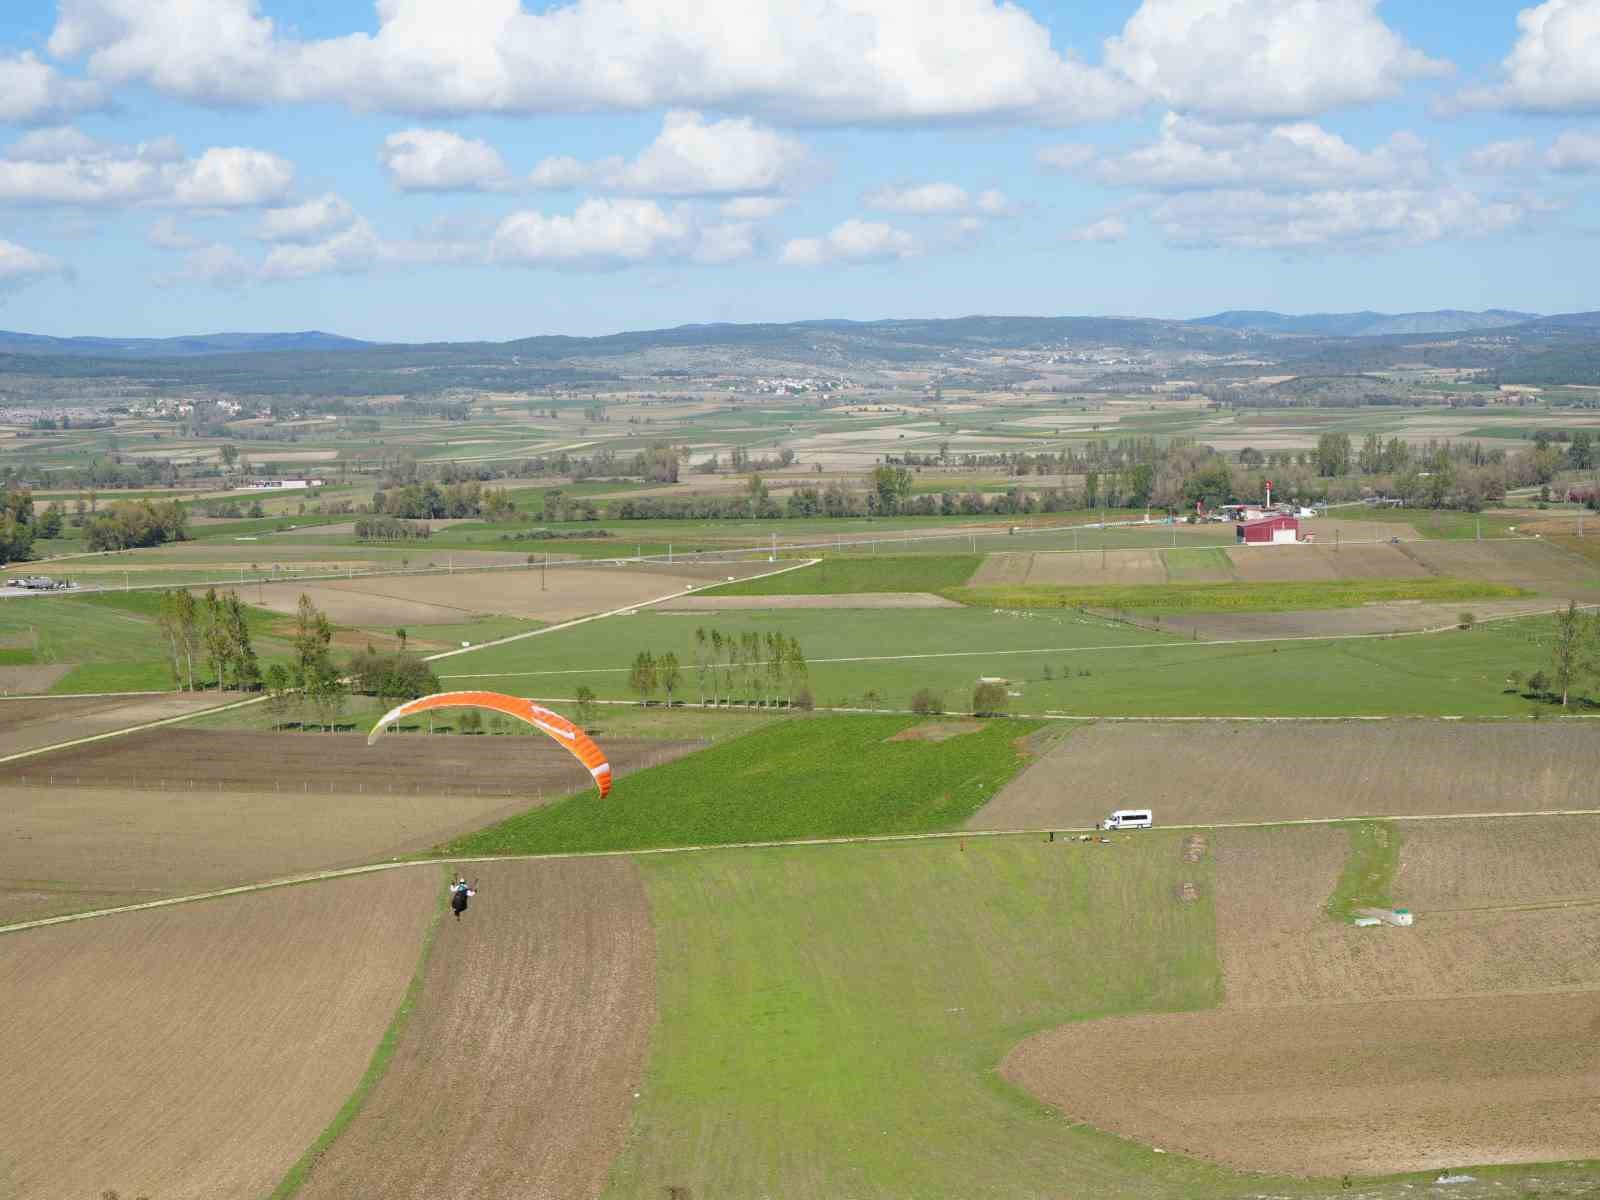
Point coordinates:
[[216, 264], [352, 250], [1501, 158], [562, 171], [1300, 156], [1260, 220], [920, 199], [32, 91], [1264, 58], [1107, 229], [1552, 67], [54, 144], [753, 208], [601, 233], [19, 265], [925, 199], [1069, 156], [852, 241], [436, 160], [66, 170], [167, 234], [307, 223], [851, 61], [690, 157], [1574, 152], [729, 241]]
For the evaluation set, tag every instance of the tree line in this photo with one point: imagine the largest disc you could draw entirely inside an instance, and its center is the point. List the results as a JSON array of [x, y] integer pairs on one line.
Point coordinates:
[[211, 632], [1574, 660], [128, 524], [756, 669]]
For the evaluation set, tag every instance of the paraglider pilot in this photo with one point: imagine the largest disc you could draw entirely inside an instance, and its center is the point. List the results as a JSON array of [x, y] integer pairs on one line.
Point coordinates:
[[461, 892]]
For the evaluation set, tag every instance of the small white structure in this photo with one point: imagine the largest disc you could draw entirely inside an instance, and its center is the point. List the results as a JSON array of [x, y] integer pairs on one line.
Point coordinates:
[[1387, 916]]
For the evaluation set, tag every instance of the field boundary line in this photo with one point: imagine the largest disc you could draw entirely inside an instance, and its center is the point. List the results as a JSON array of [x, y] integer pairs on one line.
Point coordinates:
[[627, 608], [141, 727], [82, 695], [701, 848]]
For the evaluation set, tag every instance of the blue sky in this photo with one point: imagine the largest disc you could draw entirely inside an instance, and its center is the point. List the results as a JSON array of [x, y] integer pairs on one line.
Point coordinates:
[[454, 169]]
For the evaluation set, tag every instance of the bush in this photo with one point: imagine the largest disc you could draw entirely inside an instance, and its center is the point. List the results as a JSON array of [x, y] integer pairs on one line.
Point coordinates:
[[1465, 619], [804, 700], [927, 702], [990, 700], [470, 721]]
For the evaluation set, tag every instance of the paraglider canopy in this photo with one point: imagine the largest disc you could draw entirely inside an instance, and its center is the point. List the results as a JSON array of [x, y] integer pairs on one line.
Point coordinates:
[[578, 743]]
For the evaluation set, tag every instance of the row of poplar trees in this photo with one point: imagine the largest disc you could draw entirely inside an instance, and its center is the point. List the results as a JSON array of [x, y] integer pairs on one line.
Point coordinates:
[[210, 633]]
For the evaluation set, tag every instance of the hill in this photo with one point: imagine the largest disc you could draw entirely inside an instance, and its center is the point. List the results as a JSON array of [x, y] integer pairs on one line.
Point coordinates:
[[1366, 323], [175, 347]]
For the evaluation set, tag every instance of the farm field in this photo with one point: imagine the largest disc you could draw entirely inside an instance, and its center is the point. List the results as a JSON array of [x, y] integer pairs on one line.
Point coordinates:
[[879, 573], [555, 595], [258, 1012], [120, 822], [824, 776], [27, 724], [855, 1058], [516, 1072], [1372, 616], [1216, 771], [1233, 597], [1060, 662], [725, 603], [1451, 1016]]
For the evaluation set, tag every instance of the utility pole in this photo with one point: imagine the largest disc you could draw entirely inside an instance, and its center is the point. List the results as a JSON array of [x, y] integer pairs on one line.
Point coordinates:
[[544, 567]]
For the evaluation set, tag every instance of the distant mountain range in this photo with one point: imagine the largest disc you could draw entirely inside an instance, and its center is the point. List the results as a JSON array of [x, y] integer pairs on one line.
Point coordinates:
[[175, 347], [1366, 324]]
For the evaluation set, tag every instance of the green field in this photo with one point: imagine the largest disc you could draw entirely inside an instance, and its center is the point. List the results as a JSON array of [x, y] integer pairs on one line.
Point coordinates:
[[1367, 880], [1061, 661], [1236, 597], [846, 576], [830, 1018], [808, 777]]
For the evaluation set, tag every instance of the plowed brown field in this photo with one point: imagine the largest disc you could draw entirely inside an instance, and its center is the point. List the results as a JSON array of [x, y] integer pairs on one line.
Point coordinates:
[[1545, 568], [1363, 1088], [193, 1053], [1196, 772], [26, 724], [69, 847], [518, 1066], [558, 594], [1296, 563], [1463, 1040]]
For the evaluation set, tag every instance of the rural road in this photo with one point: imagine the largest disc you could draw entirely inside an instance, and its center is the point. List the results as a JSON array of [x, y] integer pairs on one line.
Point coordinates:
[[963, 835]]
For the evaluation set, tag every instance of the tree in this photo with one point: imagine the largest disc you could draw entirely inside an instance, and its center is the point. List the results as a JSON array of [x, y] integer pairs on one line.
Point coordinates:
[[279, 687], [990, 700], [1568, 653], [170, 619], [50, 522], [700, 663], [401, 635], [927, 701], [588, 710], [470, 721], [1333, 454], [669, 674], [643, 677], [246, 667], [216, 637]]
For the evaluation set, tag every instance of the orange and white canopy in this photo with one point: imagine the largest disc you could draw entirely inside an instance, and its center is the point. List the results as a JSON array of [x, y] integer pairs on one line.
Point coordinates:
[[578, 743]]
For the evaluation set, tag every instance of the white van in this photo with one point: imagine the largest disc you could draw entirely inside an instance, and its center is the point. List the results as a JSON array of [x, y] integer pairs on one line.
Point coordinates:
[[1129, 818]]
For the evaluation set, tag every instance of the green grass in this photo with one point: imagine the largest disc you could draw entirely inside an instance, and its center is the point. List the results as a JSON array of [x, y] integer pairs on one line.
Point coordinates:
[[843, 576], [816, 777], [1189, 563], [377, 1065], [831, 1018], [1235, 597], [1367, 880]]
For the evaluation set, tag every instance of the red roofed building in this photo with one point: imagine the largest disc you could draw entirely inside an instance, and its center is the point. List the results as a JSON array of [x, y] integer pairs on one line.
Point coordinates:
[[1268, 531]]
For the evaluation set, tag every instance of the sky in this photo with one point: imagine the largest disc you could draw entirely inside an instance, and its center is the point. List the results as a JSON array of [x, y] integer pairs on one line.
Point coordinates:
[[418, 170]]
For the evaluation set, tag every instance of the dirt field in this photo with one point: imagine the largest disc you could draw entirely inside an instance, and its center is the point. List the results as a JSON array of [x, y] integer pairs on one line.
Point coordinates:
[[566, 592], [1363, 1088], [28, 681], [1293, 564], [1369, 1050], [195, 1052], [1397, 617], [69, 847], [1118, 567], [519, 1065], [1521, 915], [1002, 568], [1532, 564], [1239, 771], [25, 724], [841, 600]]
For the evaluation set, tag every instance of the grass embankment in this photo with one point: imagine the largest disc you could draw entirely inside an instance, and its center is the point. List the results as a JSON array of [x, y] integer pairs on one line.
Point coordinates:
[[846, 576], [816, 777], [1238, 597], [1367, 879], [830, 1018]]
